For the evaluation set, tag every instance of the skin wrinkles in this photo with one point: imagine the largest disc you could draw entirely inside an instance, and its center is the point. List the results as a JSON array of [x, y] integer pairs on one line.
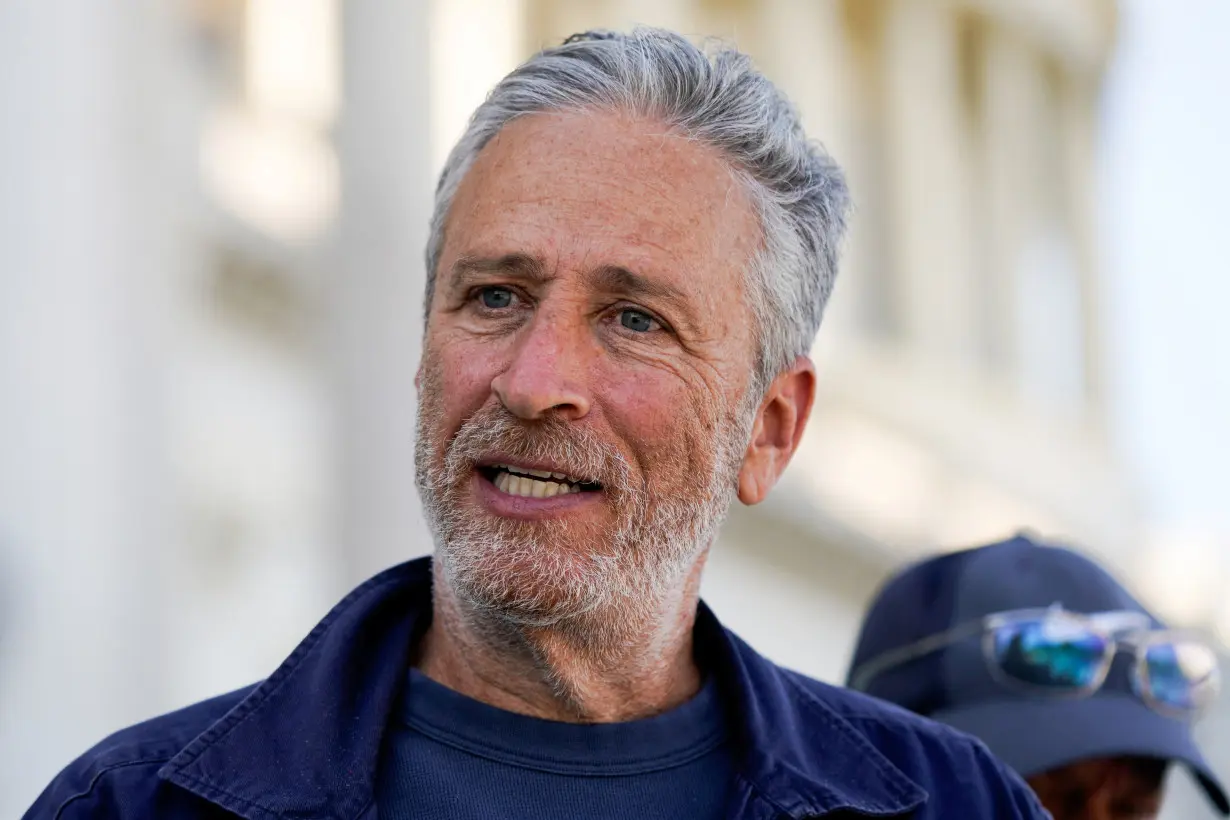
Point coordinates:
[[563, 224]]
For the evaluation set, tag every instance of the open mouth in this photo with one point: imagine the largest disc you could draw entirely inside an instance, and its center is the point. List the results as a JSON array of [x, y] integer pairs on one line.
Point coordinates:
[[526, 483]]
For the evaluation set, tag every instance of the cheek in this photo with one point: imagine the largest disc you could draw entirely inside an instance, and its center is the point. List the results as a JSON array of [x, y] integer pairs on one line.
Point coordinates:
[[642, 402], [464, 377], [661, 417], [642, 395]]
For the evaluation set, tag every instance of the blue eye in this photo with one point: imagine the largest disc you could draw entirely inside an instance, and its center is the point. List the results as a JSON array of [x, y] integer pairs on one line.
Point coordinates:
[[495, 298], [636, 321]]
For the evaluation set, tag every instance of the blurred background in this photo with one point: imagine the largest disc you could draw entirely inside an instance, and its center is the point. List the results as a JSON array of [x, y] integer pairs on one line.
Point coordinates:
[[212, 217]]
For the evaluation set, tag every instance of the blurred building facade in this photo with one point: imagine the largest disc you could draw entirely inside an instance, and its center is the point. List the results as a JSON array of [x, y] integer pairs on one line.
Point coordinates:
[[208, 347]]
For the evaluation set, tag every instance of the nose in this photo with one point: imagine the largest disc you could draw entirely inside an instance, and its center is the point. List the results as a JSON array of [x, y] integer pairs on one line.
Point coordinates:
[[547, 373]]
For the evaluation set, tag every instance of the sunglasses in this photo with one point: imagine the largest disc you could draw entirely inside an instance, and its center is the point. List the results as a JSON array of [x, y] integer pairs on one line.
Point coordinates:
[[1053, 652]]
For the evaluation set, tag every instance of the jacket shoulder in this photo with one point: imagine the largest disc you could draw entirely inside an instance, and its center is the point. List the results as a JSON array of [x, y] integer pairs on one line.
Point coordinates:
[[879, 719], [958, 772], [118, 777]]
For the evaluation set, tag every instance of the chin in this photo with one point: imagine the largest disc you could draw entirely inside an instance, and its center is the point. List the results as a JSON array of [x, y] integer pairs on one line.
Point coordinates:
[[532, 581]]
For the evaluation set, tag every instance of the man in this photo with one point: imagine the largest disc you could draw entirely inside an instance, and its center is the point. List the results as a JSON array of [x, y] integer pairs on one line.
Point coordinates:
[[631, 248], [1040, 653]]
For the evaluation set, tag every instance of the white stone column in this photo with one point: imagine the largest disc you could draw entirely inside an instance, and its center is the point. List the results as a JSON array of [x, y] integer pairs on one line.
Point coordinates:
[[1040, 224], [474, 44], [676, 15], [376, 290], [548, 22], [86, 258], [1078, 124], [800, 45], [929, 186], [1012, 104]]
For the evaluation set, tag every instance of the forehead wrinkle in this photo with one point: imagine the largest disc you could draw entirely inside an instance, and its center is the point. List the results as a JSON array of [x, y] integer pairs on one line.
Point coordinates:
[[688, 188]]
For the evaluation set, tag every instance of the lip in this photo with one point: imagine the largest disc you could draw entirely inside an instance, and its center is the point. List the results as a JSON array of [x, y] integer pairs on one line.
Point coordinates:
[[529, 509]]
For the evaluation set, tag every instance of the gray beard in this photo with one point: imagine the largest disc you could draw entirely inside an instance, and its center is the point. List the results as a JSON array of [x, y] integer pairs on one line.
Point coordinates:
[[603, 583]]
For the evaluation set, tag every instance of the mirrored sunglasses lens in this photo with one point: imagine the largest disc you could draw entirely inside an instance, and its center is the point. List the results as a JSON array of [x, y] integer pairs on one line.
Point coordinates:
[[1181, 675], [1050, 653]]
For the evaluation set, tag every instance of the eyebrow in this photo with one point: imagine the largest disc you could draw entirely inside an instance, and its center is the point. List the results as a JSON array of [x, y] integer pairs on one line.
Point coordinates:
[[516, 264], [617, 279], [614, 279]]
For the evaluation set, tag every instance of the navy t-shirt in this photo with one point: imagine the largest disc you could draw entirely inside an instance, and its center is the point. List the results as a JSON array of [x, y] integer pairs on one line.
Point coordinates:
[[449, 756]]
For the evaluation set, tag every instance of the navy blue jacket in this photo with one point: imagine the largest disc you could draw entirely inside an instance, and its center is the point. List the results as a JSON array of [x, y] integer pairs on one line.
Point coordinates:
[[304, 743]]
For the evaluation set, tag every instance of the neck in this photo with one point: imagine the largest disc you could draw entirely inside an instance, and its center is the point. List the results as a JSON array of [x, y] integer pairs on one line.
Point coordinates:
[[609, 668]]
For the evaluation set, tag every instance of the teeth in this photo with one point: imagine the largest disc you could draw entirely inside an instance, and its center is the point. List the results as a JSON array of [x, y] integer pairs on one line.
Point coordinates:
[[527, 487], [539, 473], [501, 481]]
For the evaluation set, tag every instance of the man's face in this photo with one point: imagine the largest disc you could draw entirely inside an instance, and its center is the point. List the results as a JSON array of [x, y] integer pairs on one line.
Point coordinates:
[[1112, 788], [583, 397]]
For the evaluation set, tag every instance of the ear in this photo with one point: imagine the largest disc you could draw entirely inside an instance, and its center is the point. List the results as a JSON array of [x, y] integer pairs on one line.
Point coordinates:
[[778, 430]]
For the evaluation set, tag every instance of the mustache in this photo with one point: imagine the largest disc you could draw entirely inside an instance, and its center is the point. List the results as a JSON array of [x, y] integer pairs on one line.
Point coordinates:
[[575, 449]]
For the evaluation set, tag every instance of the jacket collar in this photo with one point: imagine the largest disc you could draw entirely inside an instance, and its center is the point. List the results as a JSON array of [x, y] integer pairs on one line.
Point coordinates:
[[305, 742]]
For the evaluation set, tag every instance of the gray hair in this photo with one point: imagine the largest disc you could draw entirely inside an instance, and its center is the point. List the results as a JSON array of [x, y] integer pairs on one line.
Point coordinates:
[[717, 97]]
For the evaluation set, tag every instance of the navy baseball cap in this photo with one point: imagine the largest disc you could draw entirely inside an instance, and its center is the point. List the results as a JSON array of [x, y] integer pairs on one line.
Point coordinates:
[[954, 684]]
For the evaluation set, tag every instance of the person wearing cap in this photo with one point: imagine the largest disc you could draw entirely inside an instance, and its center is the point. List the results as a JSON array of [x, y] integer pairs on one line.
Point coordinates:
[[1041, 654]]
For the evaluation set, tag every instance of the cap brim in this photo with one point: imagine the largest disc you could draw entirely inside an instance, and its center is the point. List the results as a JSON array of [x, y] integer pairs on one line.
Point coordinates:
[[1037, 735]]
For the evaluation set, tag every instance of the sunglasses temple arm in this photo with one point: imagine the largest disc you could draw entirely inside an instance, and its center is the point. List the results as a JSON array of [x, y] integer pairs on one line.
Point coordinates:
[[861, 677]]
